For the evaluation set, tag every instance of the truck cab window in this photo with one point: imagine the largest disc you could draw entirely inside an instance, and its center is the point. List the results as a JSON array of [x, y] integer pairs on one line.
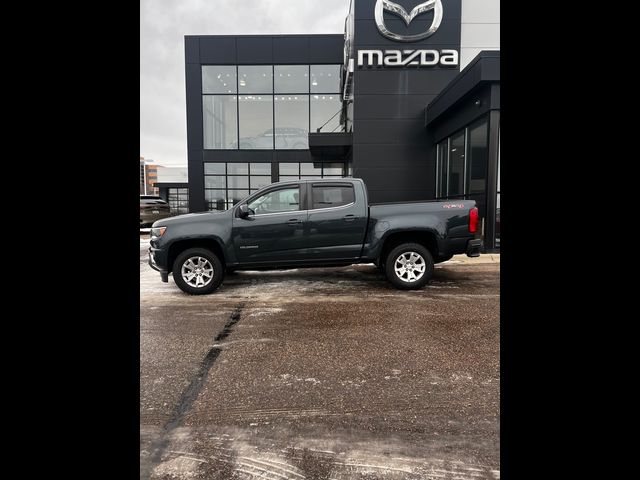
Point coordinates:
[[283, 200], [332, 196]]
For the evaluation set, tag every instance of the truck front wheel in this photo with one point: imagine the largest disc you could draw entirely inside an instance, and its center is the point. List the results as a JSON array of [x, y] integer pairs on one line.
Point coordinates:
[[198, 271], [409, 266]]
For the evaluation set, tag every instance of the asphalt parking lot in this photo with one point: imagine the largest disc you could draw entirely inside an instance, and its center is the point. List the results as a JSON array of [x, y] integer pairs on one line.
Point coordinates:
[[321, 374]]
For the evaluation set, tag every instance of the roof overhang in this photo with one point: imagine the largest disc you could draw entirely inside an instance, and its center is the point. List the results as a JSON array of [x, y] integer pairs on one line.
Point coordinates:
[[485, 68]]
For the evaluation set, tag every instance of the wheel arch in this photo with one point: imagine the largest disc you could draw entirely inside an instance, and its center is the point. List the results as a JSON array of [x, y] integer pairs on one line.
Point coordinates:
[[208, 243], [426, 238]]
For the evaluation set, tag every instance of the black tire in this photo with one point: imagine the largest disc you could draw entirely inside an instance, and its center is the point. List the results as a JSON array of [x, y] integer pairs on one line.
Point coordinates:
[[404, 284], [202, 253]]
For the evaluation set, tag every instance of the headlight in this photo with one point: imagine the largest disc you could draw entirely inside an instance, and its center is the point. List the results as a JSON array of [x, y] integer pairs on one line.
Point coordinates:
[[157, 232]]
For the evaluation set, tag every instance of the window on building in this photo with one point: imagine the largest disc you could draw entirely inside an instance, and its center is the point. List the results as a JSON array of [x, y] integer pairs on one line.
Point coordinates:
[[220, 121], [326, 112], [292, 120], [461, 162], [255, 79], [478, 152], [442, 165], [266, 107], [328, 196], [456, 164], [178, 200], [297, 171], [219, 79], [291, 79], [325, 78], [282, 200], [228, 183], [256, 122]]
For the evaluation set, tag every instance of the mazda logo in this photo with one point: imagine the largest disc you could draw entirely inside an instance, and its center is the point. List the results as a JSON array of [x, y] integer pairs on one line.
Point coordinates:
[[382, 5]]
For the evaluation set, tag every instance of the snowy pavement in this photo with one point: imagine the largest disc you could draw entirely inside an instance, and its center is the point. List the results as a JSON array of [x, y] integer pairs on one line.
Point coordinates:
[[321, 374]]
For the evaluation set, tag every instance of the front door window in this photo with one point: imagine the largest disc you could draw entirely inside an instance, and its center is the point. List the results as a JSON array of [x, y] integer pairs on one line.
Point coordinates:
[[283, 200]]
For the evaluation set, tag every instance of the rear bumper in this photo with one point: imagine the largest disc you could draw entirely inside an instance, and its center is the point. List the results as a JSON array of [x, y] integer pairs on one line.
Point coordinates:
[[164, 274], [474, 247]]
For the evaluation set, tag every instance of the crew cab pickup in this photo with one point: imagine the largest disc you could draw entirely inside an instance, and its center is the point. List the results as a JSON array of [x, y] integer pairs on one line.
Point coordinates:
[[313, 223]]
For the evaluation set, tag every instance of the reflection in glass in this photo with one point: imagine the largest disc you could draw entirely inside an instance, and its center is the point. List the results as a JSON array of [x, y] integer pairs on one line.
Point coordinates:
[[330, 169], [255, 79], [478, 149], [283, 200], [215, 199], [443, 151], [220, 121], [260, 168], [292, 122], [289, 168], [237, 181], [236, 196], [237, 168], [456, 165], [256, 122], [219, 79], [291, 78], [259, 181], [214, 181], [214, 169], [310, 169], [325, 78], [326, 109]]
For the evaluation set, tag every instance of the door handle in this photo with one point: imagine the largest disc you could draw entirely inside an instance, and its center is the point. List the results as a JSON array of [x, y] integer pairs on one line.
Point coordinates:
[[349, 218], [294, 221]]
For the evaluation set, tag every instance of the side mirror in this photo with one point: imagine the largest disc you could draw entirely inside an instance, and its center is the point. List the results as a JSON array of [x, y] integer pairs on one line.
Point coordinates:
[[244, 210]]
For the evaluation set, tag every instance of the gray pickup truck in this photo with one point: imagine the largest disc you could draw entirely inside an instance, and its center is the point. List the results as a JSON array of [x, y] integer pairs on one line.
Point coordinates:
[[313, 223]]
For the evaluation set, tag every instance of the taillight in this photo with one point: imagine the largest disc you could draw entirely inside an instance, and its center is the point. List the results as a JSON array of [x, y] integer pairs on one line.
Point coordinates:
[[473, 220]]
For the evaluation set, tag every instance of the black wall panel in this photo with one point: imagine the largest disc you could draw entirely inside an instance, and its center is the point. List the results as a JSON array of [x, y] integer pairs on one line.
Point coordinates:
[[290, 50], [367, 32], [326, 49], [191, 50], [218, 50], [255, 50], [392, 150]]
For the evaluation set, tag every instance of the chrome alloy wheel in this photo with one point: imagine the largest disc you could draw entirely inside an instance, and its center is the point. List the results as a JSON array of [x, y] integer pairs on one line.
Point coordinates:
[[197, 272], [410, 267]]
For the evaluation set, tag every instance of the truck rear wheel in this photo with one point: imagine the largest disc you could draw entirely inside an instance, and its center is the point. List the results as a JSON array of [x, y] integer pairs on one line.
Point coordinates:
[[198, 271], [409, 266]]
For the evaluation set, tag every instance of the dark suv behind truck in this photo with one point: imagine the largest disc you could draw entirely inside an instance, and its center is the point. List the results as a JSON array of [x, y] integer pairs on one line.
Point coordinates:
[[314, 223], [152, 208]]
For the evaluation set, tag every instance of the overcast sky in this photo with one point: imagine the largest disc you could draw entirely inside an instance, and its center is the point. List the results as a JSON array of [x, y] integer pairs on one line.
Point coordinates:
[[163, 25]]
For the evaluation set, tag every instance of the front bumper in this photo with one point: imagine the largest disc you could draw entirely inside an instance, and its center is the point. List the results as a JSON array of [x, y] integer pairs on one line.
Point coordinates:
[[164, 275], [474, 247]]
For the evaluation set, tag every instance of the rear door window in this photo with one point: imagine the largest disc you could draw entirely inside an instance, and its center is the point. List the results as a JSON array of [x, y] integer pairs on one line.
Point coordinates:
[[328, 196]]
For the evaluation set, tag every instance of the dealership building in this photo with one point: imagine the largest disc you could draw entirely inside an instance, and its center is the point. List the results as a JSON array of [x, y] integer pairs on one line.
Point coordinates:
[[408, 99]]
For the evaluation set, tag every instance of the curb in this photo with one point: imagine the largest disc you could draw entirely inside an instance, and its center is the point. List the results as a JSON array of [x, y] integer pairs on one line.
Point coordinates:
[[483, 258]]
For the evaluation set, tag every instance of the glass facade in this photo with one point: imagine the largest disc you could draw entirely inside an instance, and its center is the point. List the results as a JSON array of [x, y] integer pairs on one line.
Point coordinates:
[[220, 121], [461, 164], [266, 107], [225, 184], [178, 200], [296, 171]]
